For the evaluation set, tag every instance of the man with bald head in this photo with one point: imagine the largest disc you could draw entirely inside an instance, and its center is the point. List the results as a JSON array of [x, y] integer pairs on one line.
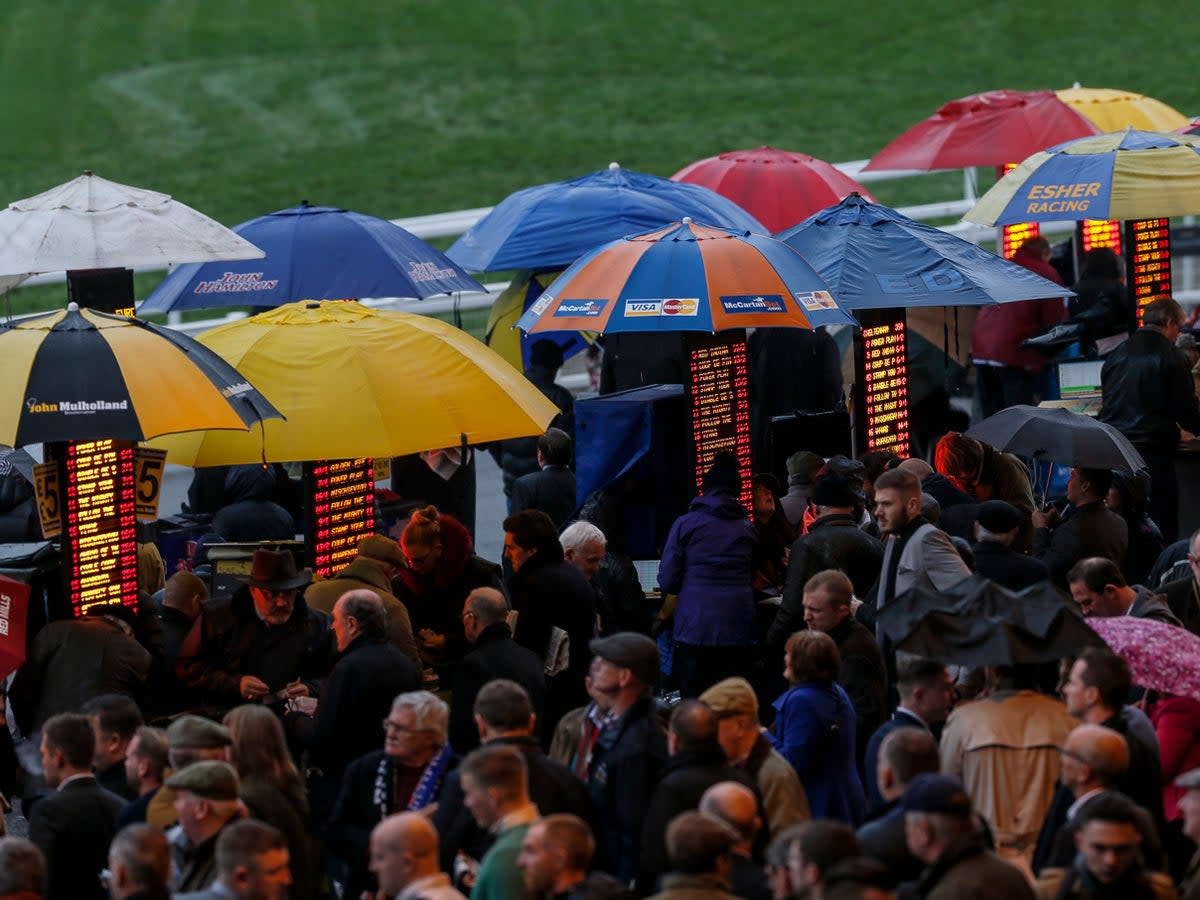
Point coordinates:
[[736, 806], [404, 858], [1093, 759], [494, 654]]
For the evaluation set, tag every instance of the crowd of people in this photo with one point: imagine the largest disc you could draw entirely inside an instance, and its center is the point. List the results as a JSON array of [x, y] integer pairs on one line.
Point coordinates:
[[426, 724]]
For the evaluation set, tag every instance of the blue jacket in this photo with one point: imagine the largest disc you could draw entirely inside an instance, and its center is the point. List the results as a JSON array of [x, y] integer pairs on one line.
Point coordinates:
[[708, 563], [815, 730]]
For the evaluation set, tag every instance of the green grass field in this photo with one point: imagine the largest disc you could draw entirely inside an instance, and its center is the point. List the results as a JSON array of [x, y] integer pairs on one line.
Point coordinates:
[[406, 108]]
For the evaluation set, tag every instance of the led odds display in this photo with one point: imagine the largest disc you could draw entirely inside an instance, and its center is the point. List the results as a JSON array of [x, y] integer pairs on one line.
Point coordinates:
[[717, 392], [883, 376], [341, 503]]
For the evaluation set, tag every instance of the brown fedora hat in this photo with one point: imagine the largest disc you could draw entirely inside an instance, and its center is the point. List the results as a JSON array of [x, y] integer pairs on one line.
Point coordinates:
[[276, 571]]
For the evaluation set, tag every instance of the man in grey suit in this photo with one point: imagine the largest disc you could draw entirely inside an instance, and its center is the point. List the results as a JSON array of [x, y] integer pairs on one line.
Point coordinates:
[[74, 825], [252, 864]]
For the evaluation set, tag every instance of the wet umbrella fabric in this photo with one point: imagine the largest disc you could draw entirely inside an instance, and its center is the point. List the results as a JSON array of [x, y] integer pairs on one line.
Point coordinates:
[[79, 375], [777, 187], [994, 128], [873, 257], [686, 277], [550, 226], [1058, 435], [1112, 109], [1161, 657], [315, 253], [980, 623]]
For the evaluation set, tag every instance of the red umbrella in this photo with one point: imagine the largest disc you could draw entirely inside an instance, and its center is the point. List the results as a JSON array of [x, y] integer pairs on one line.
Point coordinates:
[[14, 607], [990, 129], [777, 187], [1161, 657], [1192, 127]]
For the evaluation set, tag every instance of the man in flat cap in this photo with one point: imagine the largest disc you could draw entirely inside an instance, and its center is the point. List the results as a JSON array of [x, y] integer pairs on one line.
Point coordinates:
[[622, 752], [190, 739], [941, 832], [379, 560], [206, 799], [997, 524], [261, 643]]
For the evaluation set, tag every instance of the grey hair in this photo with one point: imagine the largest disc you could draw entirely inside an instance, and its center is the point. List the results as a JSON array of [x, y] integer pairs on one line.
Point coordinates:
[[429, 710], [22, 866], [579, 534], [367, 608]]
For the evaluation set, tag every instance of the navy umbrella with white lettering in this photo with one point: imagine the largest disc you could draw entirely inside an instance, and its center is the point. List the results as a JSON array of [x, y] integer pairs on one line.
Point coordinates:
[[872, 257], [315, 253]]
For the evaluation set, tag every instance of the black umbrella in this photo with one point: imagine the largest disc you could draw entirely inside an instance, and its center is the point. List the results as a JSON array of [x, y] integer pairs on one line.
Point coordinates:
[[1058, 435], [980, 623]]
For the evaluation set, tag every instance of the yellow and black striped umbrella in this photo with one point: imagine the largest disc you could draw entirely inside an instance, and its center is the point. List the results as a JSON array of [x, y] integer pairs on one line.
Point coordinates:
[[79, 375]]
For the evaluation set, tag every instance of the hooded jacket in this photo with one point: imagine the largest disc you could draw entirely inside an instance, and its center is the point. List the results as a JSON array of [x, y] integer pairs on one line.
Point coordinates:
[[708, 563]]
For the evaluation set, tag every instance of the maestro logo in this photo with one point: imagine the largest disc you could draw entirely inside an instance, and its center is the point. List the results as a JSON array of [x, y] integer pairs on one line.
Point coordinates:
[[753, 303], [583, 309]]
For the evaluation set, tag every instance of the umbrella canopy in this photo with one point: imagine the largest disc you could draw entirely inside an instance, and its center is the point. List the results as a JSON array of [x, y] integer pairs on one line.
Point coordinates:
[[1112, 110], [1161, 657], [990, 129], [315, 253], [93, 223], [355, 381], [549, 226], [872, 257], [777, 187], [79, 375], [686, 277], [1123, 175], [1192, 127], [979, 623], [501, 333], [1058, 435]]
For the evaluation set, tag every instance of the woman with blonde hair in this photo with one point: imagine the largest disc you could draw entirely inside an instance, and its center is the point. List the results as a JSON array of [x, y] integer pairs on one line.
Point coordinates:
[[271, 787]]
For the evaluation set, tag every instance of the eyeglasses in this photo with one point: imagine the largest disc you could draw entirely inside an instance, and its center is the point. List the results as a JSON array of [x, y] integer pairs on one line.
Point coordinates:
[[389, 726], [285, 594]]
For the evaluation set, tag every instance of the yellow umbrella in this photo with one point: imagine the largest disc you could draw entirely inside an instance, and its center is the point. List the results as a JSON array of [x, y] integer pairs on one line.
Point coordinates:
[[355, 381], [1115, 110]]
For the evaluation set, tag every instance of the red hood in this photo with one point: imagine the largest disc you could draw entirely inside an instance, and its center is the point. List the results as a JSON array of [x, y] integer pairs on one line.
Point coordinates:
[[456, 551]]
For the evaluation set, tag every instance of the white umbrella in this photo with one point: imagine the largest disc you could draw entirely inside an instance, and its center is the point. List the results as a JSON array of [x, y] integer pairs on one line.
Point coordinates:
[[93, 223]]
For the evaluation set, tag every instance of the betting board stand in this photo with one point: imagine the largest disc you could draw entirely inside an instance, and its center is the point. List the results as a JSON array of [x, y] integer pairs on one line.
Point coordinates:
[[717, 403], [880, 403]]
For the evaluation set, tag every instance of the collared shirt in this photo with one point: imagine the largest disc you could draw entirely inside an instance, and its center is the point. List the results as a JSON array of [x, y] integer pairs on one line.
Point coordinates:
[[908, 712], [62, 784], [1079, 801], [523, 815], [435, 885]]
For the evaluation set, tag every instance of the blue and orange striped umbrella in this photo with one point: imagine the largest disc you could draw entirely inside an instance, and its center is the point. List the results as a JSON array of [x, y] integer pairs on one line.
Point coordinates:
[[686, 277]]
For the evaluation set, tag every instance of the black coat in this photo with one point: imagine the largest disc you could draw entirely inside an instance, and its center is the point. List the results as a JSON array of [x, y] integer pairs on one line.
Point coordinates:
[[832, 542], [518, 456], [549, 592], [627, 761], [495, 655], [356, 697], [229, 640], [552, 490], [1148, 391], [165, 693], [900, 719], [687, 775], [553, 788], [1183, 596], [883, 839], [1007, 567], [1089, 530], [863, 674], [73, 827]]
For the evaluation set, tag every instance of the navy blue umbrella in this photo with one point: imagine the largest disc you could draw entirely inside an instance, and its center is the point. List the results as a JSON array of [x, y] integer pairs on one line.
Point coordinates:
[[315, 253], [872, 257], [549, 226]]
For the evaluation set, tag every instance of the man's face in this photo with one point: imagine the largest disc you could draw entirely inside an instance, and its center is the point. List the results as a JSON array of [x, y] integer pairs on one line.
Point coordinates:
[[1108, 848], [108, 746], [1077, 487], [935, 699], [421, 558], [1193, 559], [267, 879], [274, 607], [893, 510], [821, 613], [470, 627], [191, 811], [50, 765], [516, 554], [538, 863], [587, 559], [403, 740], [1071, 768], [797, 872], [342, 626], [479, 803], [390, 864], [731, 734], [604, 679], [1075, 692], [1101, 604], [1189, 805], [132, 761], [764, 503]]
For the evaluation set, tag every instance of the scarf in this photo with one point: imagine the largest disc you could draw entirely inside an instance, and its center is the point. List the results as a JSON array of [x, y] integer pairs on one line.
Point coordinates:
[[423, 794]]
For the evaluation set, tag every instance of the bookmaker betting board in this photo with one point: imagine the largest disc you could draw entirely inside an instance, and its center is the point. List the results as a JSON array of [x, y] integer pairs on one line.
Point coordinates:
[[341, 505], [717, 396], [881, 407]]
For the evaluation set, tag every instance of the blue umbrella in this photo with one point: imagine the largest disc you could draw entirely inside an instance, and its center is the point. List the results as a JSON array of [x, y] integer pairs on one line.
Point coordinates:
[[551, 225], [872, 257], [315, 253]]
